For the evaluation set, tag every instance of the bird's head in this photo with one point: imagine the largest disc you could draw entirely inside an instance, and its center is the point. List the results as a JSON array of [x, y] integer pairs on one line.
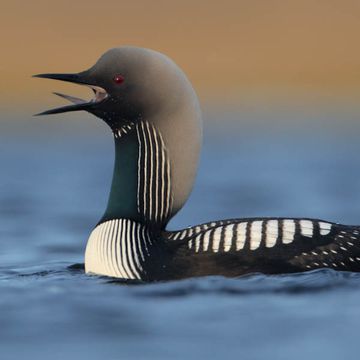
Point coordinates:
[[129, 83]]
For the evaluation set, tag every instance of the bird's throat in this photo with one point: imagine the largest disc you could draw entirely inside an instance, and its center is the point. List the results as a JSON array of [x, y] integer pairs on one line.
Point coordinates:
[[122, 201], [141, 188]]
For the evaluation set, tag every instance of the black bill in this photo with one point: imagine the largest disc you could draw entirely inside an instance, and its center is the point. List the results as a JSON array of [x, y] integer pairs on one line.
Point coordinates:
[[100, 94]]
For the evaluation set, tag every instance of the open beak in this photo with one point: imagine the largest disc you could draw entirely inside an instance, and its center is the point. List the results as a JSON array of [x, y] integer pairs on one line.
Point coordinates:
[[100, 94]]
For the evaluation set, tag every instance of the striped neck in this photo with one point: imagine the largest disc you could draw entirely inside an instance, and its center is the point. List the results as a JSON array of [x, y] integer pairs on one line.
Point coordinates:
[[119, 248], [141, 185]]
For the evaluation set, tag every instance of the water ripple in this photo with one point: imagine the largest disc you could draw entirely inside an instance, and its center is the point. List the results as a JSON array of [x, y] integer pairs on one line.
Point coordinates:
[[253, 284]]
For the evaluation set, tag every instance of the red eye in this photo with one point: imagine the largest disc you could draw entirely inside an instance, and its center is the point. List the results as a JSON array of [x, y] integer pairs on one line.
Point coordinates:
[[119, 79]]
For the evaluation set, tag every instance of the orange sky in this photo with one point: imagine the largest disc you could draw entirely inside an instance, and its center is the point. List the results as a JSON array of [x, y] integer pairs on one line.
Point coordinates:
[[227, 48]]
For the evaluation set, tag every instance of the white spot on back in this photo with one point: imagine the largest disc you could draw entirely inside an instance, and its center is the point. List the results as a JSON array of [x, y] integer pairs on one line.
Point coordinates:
[[288, 231], [190, 232], [228, 237], [271, 233], [206, 241], [197, 244], [306, 227], [216, 239], [240, 235], [325, 228], [197, 229], [255, 234]]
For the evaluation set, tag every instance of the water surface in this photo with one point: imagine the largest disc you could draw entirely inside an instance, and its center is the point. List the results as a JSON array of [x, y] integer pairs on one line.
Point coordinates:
[[54, 187]]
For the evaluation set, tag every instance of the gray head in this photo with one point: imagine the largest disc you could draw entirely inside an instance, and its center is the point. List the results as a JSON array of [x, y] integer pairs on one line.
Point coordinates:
[[128, 83], [131, 84]]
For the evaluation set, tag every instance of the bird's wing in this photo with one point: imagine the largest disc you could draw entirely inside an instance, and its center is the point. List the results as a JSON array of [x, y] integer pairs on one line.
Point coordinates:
[[301, 244]]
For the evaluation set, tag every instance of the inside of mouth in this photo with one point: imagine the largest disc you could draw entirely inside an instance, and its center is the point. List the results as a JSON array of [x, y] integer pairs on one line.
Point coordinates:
[[100, 94]]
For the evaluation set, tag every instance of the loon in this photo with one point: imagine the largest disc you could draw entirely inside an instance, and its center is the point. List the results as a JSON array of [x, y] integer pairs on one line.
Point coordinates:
[[154, 114]]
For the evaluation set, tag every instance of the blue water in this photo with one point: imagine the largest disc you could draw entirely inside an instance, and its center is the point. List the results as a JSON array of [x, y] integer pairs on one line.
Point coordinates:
[[54, 185]]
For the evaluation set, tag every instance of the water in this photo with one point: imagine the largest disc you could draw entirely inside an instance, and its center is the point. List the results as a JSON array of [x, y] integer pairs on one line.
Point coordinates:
[[53, 190]]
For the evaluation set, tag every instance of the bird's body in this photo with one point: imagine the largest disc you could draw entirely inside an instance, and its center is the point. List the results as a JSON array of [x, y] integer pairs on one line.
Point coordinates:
[[155, 118], [126, 249]]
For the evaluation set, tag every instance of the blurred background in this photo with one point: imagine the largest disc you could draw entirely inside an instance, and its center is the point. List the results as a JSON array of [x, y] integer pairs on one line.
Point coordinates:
[[279, 83], [233, 51], [271, 76]]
